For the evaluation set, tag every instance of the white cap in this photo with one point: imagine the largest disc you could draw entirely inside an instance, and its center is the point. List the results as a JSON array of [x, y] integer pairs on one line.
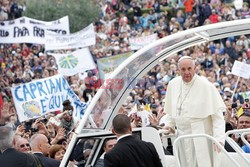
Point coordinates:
[[228, 73], [227, 89], [216, 84], [41, 54], [184, 57]]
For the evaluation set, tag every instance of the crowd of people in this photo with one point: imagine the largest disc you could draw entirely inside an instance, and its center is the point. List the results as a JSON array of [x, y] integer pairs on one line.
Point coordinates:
[[119, 21]]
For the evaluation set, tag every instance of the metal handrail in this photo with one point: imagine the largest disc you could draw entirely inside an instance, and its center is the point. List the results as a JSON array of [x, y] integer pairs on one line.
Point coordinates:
[[235, 146], [177, 142], [243, 138]]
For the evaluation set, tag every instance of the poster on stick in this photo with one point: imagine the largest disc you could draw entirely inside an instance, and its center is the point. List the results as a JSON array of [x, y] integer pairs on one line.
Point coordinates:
[[241, 69]]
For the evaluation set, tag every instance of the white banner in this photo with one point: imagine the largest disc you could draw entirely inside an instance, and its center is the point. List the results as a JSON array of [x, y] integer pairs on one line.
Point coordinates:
[[39, 97], [241, 69], [85, 37], [140, 42], [27, 30], [75, 62], [238, 4]]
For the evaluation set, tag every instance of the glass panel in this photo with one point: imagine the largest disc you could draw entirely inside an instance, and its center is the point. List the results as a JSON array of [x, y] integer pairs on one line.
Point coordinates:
[[109, 98], [88, 149], [83, 152]]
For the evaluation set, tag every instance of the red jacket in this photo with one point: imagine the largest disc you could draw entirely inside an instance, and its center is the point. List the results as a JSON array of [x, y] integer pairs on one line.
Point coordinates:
[[213, 18], [188, 5]]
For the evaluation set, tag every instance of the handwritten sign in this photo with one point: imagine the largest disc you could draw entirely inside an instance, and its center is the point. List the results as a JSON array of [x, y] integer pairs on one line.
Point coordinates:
[[39, 97], [241, 69]]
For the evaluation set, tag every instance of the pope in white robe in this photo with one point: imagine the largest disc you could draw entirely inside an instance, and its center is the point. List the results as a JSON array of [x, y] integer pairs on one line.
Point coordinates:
[[194, 106]]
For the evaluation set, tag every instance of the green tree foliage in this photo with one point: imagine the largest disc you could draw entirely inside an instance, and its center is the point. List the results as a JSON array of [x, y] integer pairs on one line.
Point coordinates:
[[81, 12]]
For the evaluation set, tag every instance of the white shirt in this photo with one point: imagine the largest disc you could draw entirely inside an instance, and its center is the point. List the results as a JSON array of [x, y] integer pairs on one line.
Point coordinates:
[[119, 138]]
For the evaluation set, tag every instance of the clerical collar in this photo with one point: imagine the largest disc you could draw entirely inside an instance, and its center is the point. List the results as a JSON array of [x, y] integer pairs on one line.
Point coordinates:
[[191, 82]]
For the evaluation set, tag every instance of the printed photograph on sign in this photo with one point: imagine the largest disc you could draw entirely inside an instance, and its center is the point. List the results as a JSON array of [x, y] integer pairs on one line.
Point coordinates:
[[32, 109]]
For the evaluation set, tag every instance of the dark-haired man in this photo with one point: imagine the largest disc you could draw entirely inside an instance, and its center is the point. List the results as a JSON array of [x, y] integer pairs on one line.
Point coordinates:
[[130, 151], [107, 146]]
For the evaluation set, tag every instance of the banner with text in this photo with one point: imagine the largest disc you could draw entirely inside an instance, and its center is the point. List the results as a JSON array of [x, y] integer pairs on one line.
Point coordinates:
[[75, 62], [140, 42], [27, 30], [241, 69], [108, 64], [85, 37], [39, 97]]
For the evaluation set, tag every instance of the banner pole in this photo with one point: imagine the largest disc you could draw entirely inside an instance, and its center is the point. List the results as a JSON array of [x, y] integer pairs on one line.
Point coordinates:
[[236, 85]]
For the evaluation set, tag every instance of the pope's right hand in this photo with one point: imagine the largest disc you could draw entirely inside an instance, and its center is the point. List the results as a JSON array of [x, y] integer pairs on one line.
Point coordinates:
[[168, 130]]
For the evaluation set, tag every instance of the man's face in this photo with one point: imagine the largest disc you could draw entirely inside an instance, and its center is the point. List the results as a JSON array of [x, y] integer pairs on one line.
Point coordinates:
[[45, 146], [109, 145], [243, 122], [187, 69], [23, 145]]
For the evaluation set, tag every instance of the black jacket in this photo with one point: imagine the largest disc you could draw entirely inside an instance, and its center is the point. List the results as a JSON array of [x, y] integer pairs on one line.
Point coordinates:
[[13, 158], [47, 162], [132, 152]]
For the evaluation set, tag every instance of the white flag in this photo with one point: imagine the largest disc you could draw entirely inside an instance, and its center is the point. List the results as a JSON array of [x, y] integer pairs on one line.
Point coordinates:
[[241, 69], [85, 37], [75, 62]]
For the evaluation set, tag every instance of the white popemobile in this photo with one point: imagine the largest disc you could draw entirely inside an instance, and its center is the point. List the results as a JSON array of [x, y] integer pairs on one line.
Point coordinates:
[[97, 119]]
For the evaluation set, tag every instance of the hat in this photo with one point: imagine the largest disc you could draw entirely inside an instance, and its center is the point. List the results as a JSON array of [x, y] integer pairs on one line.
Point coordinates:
[[216, 84], [41, 54], [133, 92], [125, 104], [13, 52], [184, 57], [227, 89], [228, 73]]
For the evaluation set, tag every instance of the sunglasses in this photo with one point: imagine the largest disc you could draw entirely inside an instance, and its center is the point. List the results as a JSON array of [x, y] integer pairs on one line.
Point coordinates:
[[23, 145]]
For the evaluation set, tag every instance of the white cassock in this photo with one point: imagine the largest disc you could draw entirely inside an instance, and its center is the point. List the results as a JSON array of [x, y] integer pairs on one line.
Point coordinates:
[[196, 108]]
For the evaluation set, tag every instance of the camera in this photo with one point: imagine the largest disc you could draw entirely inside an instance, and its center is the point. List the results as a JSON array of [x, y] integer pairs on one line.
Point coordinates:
[[70, 112], [234, 105], [34, 130], [246, 105], [44, 120]]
